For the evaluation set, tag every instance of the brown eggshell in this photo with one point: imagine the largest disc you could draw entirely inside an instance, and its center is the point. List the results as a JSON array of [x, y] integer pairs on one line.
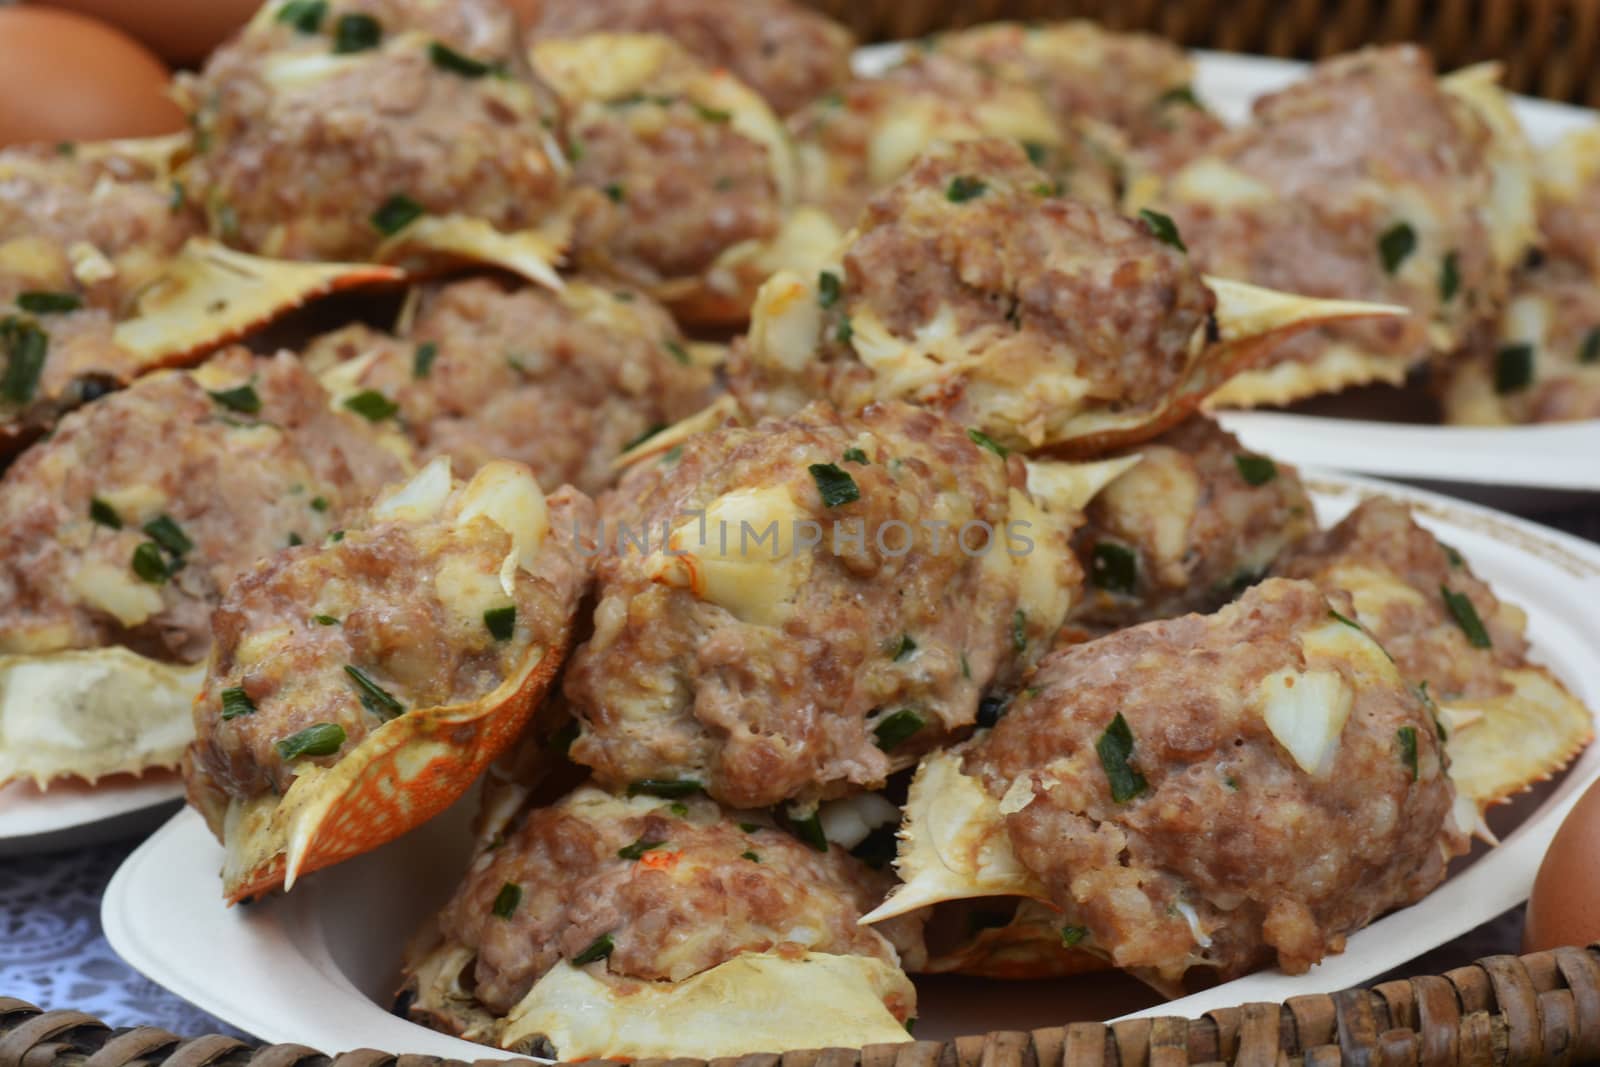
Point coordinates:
[[68, 77], [1565, 906], [182, 32]]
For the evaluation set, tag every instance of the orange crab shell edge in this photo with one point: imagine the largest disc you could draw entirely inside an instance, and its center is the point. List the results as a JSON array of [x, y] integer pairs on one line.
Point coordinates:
[[383, 799]]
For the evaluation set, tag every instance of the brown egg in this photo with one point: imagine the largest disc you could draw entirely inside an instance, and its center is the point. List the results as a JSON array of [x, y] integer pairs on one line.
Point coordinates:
[[67, 77], [182, 32], [1565, 906]]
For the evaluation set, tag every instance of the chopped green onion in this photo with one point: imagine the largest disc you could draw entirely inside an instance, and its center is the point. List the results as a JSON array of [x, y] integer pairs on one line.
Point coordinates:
[[1114, 568], [169, 535], [676, 351], [905, 647], [374, 697], [1408, 749], [25, 346], [1180, 94], [1395, 245], [1449, 277], [637, 849], [1162, 228], [395, 214], [1589, 351], [1513, 368], [599, 949], [679, 809], [501, 622], [1344, 619], [983, 440], [1038, 153], [665, 788], [319, 503], [855, 455], [845, 331], [371, 405], [178, 199], [446, 58], [964, 187], [422, 359], [44, 303], [893, 730], [829, 289], [336, 536], [1116, 751], [320, 739], [642, 438], [834, 485], [104, 514], [356, 32], [615, 192], [712, 114], [295, 540], [304, 15], [325, 620], [1255, 470], [751, 856], [674, 454], [236, 702], [1452, 555], [1466, 617], [1019, 630], [506, 901], [751, 827], [1073, 935], [810, 831], [149, 563], [243, 399]]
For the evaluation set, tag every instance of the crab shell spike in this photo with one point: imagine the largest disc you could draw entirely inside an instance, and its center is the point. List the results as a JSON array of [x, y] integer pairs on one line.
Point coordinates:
[[1027, 947], [718, 413], [1245, 311], [953, 844], [1067, 487], [84, 714], [399, 776], [1338, 366], [211, 294], [808, 1001], [436, 243], [1516, 739], [161, 154]]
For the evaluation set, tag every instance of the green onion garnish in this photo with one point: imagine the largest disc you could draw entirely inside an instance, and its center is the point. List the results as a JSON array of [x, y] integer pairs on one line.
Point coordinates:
[[446, 58], [1255, 470], [236, 702], [1073, 935], [964, 187], [599, 949], [892, 730], [149, 564], [905, 647], [829, 289], [834, 485], [1019, 631], [243, 399], [1162, 228], [374, 697], [396, 213], [1344, 619], [1116, 751], [751, 856], [1466, 617], [356, 32], [506, 901], [25, 346], [304, 15], [1395, 245], [676, 351], [325, 620], [321, 739], [855, 455], [810, 831], [1408, 749], [983, 440], [1449, 277], [642, 438], [1513, 368], [422, 359], [169, 535], [104, 514], [501, 622], [371, 405], [665, 788], [1589, 351], [637, 849], [1180, 94], [45, 303], [1114, 568]]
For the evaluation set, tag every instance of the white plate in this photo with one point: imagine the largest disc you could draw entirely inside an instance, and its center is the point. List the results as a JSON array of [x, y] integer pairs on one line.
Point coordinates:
[[1558, 458], [73, 814], [319, 966]]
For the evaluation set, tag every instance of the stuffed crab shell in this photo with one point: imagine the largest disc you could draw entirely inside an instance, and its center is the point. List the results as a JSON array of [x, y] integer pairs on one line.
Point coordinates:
[[798, 609], [1509, 722], [971, 288], [1371, 179], [1189, 526], [123, 529], [625, 928], [1209, 791], [561, 380], [404, 131], [783, 50], [859, 140], [356, 687], [683, 177], [1135, 83]]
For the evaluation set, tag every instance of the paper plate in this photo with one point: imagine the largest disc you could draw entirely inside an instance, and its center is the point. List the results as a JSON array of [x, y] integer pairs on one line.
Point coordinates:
[[319, 966], [73, 814]]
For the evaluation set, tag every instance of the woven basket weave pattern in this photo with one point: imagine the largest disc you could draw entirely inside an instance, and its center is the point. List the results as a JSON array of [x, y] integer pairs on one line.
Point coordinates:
[[1505, 1010], [1550, 48]]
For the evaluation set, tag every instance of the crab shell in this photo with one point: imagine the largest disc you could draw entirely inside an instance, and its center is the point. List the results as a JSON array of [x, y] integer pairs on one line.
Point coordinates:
[[400, 775], [1028, 946], [435, 244], [787, 325], [588, 72], [1513, 229], [85, 714], [754, 1002]]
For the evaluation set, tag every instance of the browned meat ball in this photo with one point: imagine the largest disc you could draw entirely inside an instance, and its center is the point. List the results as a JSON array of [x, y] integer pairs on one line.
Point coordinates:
[[126, 525], [560, 381], [1149, 784], [967, 278], [783, 50], [1397, 574], [1543, 362], [325, 129], [426, 601], [777, 669], [81, 236], [863, 137], [1196, 521], [1367, 180], [1134, 82], [676, 888]]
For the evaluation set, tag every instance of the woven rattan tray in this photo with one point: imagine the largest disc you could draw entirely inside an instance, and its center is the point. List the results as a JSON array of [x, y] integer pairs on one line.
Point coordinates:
[[1542, 1008]]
